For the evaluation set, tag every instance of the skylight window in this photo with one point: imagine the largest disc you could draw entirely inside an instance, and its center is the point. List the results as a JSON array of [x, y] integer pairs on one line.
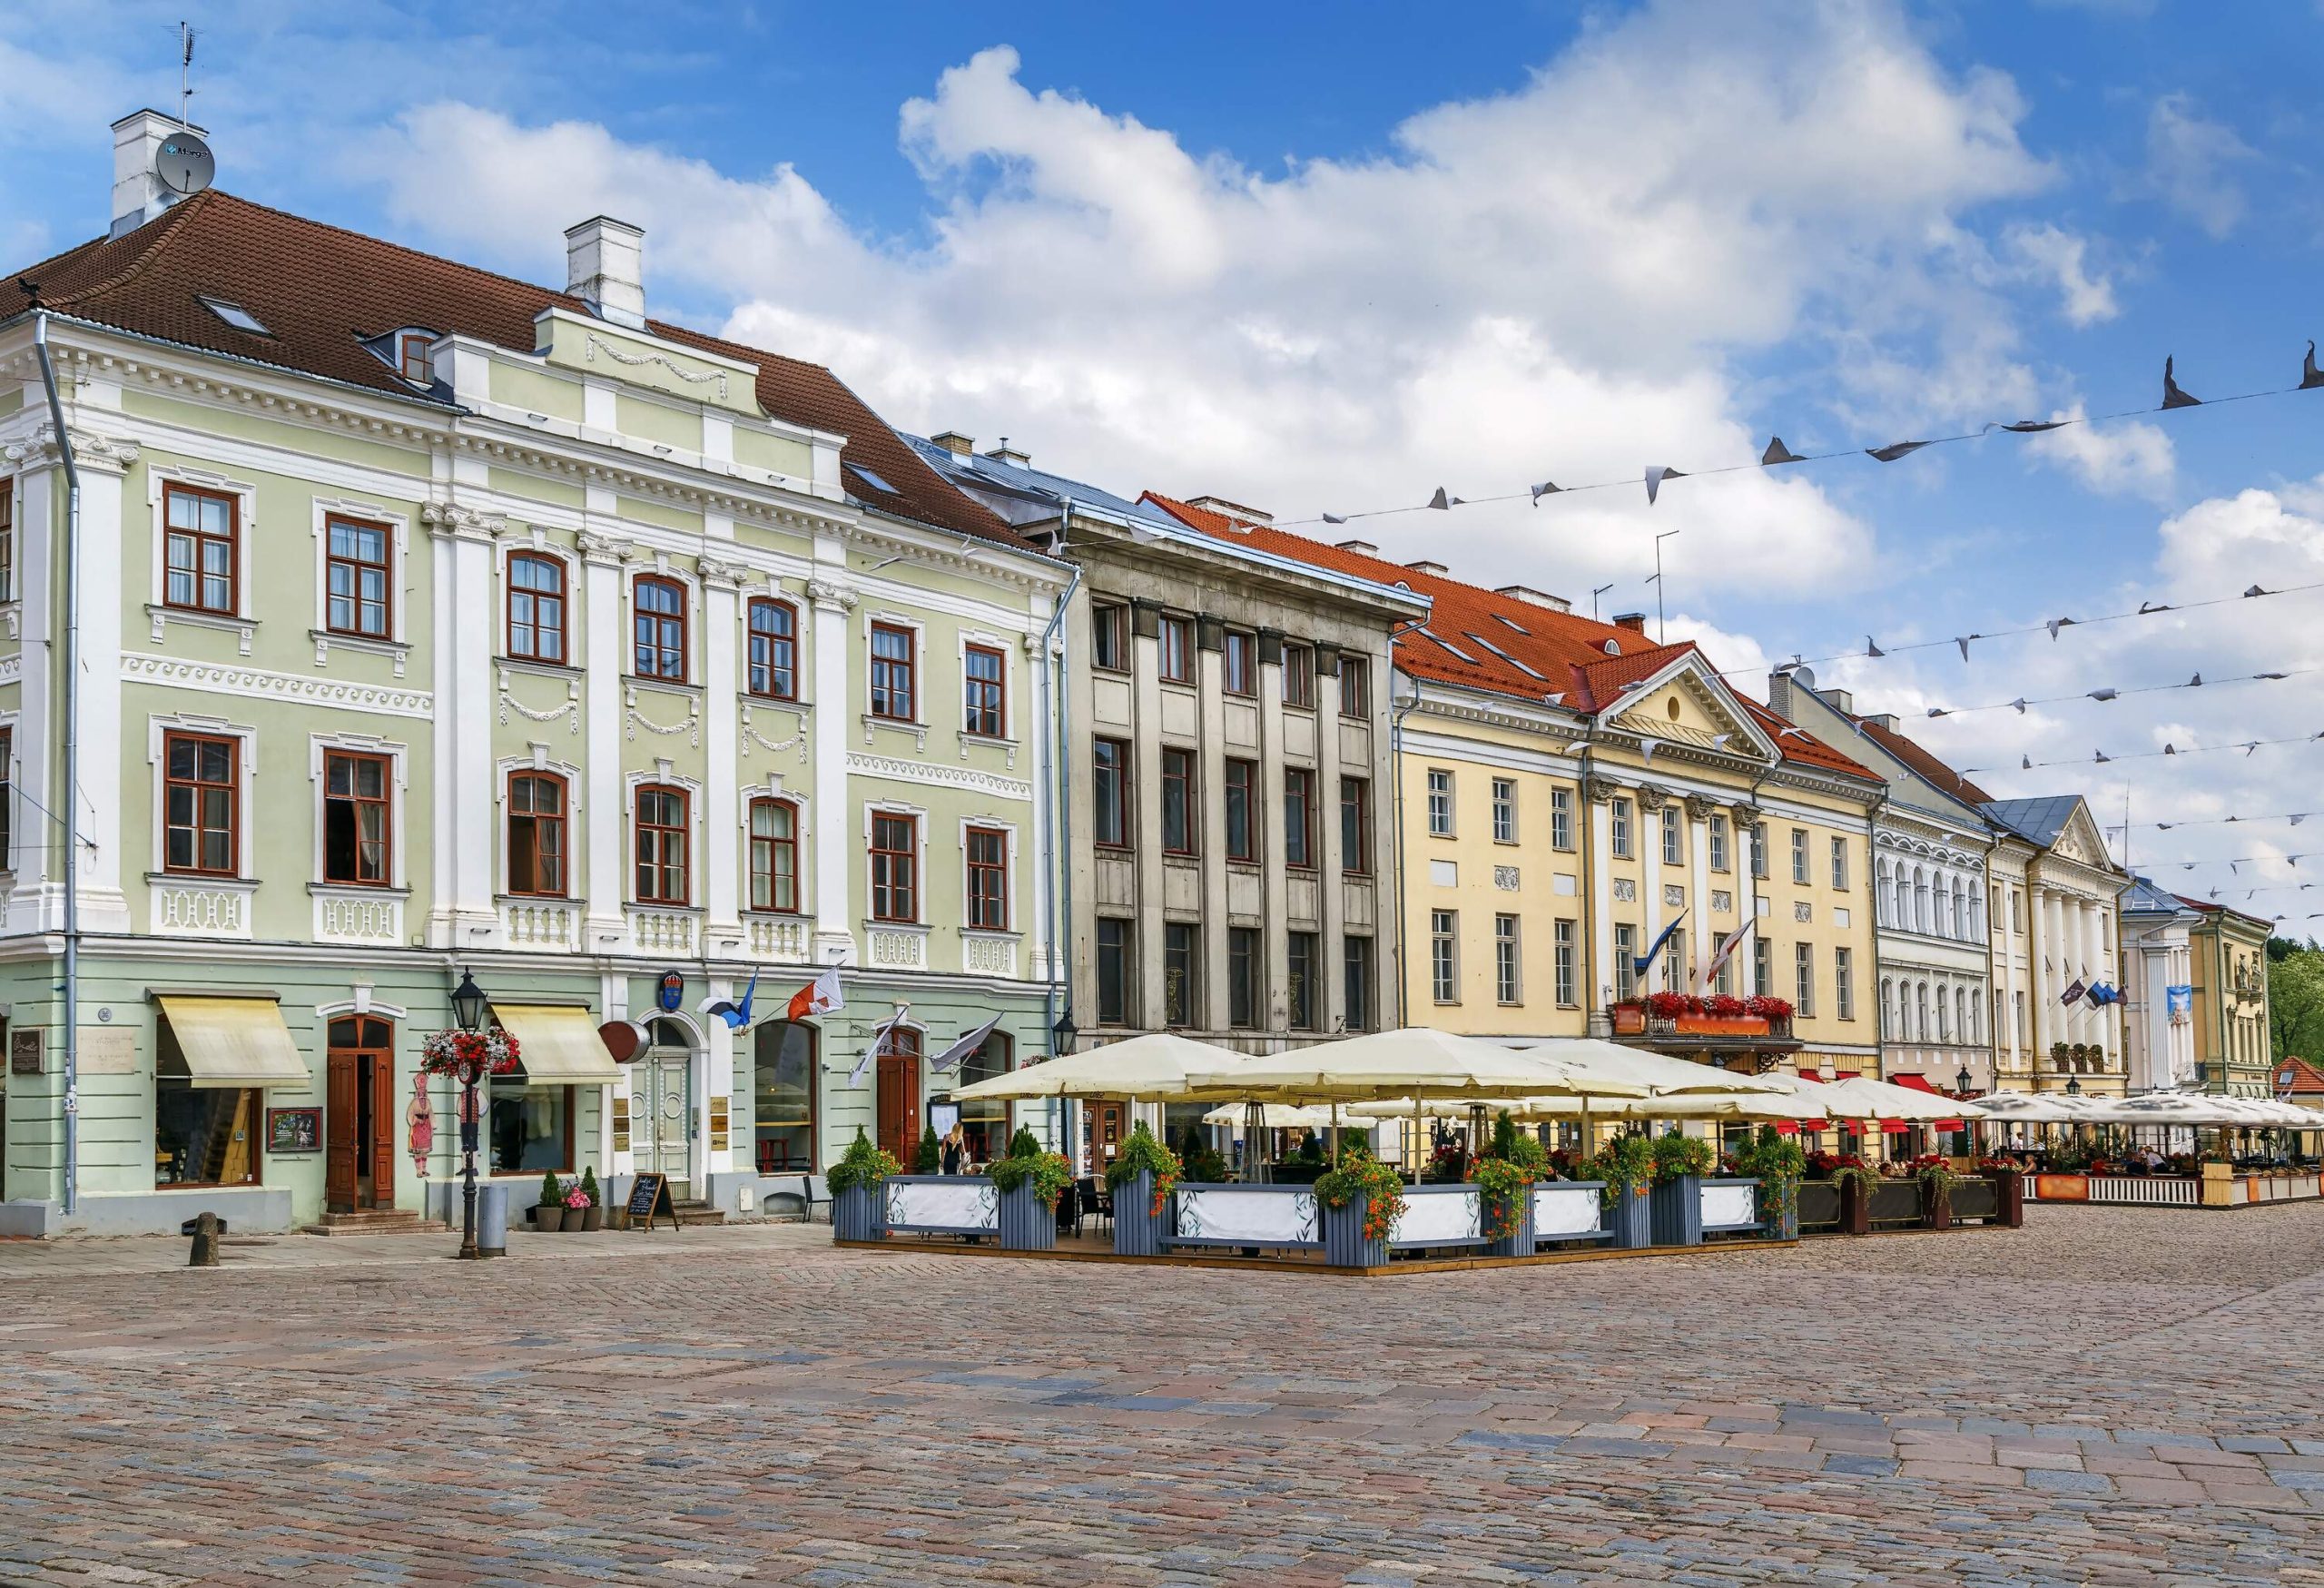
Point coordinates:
[[1512, 622], [235, 315], [1449, 646], [871, 480], [1505, 657]]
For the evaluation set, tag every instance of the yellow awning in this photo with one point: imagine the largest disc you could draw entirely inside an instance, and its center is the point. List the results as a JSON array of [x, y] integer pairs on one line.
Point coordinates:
[[233, 1042], [558, 1046]]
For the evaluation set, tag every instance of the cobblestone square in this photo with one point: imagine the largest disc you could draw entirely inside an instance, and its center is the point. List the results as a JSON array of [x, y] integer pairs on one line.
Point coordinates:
[[2109, 1396]]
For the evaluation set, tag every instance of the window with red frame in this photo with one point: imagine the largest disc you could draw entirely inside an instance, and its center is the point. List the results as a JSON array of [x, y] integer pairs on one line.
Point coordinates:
[[775, 856], [987, 673], [661, 837], [895, 867], [201, 804], [988, 855], [659, 628], [893, 682], [536, 835], [535, 609], [775, 650]]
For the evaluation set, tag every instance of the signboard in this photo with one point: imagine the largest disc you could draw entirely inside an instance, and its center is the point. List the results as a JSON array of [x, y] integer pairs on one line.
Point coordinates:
[[649, 1195], [26, 1051], [108, 1050], [294, 1130], [943, 1117]]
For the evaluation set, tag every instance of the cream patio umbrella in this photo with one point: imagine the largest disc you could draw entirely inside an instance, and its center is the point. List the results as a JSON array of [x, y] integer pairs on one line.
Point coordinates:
[[1862, 1098], [1152, 1069], [1272, 1116]]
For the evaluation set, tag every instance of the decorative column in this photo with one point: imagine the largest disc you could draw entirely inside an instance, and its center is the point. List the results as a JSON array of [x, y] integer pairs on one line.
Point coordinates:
[[722, 584], [1331, 890], [102, 462], [1597, 794], [833, 601], [1146, 810], [1704, 935], [1210, 707], [40, 511], [1653, 807], [465, 915], [1267, 811], [606, 880]]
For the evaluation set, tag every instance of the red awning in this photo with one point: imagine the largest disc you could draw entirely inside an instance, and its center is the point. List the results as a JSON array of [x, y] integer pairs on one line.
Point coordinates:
[[1921, 1083]]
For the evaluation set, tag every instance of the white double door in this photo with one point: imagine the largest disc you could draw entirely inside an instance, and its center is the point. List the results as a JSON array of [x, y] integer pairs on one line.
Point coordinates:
[[662, 1093]]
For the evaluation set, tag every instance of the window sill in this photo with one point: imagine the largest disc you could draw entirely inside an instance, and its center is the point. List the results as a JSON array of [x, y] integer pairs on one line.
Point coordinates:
[[674, 686], [544, 900], [895, 725], [204, 880], [775, 702], [358, 891], [995, 933], [540, 666], [395, 650], [666, 909], [917, 928], [163, 615]]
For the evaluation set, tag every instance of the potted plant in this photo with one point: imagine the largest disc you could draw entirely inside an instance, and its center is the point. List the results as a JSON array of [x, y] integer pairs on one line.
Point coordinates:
[[1856, 1182], [928, 1157], [548, 1212], [576, 1208], [1361, 1199], [1504, 1177], [2008, 1176], [1030, 1180], [1777, 1162], [1201, 1163], [1142, 1177], [1681, 1162], [595, 1218], [855, 1182], [1938, 1177], [1627, 1166]]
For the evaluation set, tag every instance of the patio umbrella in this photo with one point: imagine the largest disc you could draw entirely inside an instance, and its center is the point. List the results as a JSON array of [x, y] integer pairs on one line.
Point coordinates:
[[1272, 1116], [1414, 1062], [1153, 1067], [1661, 1075], [1862, 1098]]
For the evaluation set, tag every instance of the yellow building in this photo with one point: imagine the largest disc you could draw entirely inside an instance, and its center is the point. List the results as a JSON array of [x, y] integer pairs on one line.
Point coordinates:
[[2230, 955], [1567, 790]]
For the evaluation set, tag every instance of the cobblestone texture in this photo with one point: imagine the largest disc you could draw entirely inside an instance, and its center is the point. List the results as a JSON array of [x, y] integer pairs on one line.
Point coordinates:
[[2107, 1396]]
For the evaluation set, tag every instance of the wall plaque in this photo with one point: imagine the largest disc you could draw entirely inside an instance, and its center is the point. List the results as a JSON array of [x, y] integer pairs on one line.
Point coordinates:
[[27, 1051]]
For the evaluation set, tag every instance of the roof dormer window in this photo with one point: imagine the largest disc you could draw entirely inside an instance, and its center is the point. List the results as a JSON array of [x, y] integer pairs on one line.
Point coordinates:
[[414, 358], [1614, 648], [233, 314]]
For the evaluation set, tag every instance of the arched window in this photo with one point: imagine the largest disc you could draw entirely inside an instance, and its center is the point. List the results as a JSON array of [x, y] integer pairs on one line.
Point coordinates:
[[659, 628], [1880, 896], [1888, 1010], [775, 856], [1920, 900], [1920, 1006], [1960, 909], [1944, 1024], [535, 607], [1976, 1014], [775, 650], [1903, 914], [1961, 1014], [536, 835]]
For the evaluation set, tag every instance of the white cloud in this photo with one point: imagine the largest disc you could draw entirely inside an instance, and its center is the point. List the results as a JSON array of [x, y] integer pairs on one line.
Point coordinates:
[[2058, 257], [2119, 458], [2189, 161], [1559, 281]]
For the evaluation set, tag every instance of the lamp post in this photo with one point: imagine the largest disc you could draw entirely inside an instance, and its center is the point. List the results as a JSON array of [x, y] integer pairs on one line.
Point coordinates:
[[2073, 1085], [468, 1007]]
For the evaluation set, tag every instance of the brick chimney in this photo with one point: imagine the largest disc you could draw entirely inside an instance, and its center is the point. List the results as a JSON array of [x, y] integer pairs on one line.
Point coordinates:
[[603, 265], [1633, 621], [956, 444]]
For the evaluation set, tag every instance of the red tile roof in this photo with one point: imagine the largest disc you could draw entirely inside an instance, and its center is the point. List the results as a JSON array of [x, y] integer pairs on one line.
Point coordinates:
[[2212, 907], [1927, 765], [321, 291], [1567, 655], [2307, 1079]]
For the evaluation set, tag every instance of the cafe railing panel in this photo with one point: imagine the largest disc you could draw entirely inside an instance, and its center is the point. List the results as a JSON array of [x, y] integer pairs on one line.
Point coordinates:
[[1246, 1215], [1567, 1210], [1438, 1216], [943, 1204]]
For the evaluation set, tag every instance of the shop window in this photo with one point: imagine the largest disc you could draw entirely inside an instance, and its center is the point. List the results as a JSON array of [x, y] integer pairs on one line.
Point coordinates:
[[782, 1112], [530, 1127], [205, 1135]]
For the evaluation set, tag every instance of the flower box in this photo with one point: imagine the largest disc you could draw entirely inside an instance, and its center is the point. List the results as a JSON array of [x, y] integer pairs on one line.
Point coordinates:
[[1138, 1232], [1713, 1025], [1630, 1217], [1027, 1224], [1855, 1207], [1630, 1019], [1678, 1215], [1937, 1206], [1515, 1215], [1344, 1246], [856, 1213]]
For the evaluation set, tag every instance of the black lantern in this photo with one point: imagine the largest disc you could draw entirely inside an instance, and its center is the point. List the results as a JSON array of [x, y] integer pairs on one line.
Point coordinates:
[[1062, 1035], [469, 1003], [2073, 1085], [1961, 1081]]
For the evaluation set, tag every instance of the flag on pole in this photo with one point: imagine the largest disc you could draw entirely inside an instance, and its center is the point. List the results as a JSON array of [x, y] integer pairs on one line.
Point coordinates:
[[2074, 990], [879, 1035], [1725, 951], [820, 996], [1643, 961], [964, 1047]]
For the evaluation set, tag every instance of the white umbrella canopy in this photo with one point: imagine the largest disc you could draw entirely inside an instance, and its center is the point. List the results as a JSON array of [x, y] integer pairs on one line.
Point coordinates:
[[2033, 1107], [1156, 1066], [1862, 1098], [1273, 1117], [2163, 1107], [1411, 1063], [1661, 1074]]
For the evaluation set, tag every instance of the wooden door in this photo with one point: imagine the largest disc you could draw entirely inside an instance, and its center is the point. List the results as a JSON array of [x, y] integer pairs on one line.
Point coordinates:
[[340, 1133], [1106, 1120], [360, 1124], [898, 1103]]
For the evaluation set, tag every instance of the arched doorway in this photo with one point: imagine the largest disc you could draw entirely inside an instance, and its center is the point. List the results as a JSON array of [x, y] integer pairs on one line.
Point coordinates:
[[898, 1095], [662, 1084], [360, 1131]]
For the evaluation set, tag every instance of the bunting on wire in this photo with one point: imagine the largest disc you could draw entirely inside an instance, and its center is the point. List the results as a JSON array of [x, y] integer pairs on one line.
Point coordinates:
[[2020, 704], [2027, 764], [1776, 454]]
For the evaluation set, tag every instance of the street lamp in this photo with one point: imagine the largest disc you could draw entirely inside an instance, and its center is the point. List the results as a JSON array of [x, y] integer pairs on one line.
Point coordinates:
[[469, 1005], [1062, 1035], [1962, 1082], [2073, 1085]]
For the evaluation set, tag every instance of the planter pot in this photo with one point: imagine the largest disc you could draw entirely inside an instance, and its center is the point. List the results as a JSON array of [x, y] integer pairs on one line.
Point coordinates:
[[2012, 1199], [856, 1214], [1720, 1025], [592, 1217], [1856, 1208], [1344, 1246], [572, 1218], [1518, 1211], [1817, 1206], [1937, 1206], [1779, 1209], [1897, 1205], [1630, 1217], [1678, 1219], [1629, 1020], [548, 1216], [1138, 1233], [1027, 1224]]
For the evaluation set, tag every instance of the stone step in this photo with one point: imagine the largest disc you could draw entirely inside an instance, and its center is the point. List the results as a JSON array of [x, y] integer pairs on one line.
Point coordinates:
[[377, 1222], [694, 1210]]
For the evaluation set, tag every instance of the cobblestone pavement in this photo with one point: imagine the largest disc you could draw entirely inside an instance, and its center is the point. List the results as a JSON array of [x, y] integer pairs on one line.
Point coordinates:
[[2108, 1395]]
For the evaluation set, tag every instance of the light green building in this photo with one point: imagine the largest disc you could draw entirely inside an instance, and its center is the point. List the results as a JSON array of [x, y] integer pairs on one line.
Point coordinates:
[[432, 622]]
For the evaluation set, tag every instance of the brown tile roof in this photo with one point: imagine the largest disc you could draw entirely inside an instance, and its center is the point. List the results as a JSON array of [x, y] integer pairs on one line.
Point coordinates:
[[1927, 765], [2306, 1080], [2212, 907], [1566, 654], [321, 291]]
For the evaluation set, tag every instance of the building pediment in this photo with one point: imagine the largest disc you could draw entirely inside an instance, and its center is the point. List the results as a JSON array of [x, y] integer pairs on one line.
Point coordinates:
[[1687, 704]]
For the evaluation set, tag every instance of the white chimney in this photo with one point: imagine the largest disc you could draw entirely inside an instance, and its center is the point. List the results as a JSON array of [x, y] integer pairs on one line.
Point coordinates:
[[138, 194], [603, 266]]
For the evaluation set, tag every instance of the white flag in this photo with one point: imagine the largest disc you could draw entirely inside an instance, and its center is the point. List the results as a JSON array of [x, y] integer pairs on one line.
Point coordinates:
[[879, 1034], [964, 1047], [1726, 947]]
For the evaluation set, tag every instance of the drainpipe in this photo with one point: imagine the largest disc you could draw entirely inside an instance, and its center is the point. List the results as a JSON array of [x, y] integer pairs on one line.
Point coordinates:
[[1581, 839], [1056, 823], [71, 801], [1397, 710]]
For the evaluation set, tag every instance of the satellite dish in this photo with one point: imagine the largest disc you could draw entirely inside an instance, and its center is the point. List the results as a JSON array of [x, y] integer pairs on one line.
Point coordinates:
[[184, 164]]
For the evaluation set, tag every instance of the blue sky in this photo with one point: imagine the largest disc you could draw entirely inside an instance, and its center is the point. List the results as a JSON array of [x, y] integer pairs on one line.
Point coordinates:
[[1226, 248]]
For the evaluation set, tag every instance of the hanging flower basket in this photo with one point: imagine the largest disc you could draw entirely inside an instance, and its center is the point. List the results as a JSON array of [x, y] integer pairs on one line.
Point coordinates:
[[466, 1056]]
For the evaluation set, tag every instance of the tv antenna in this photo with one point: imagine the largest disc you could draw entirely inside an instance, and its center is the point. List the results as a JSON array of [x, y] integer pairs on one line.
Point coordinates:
[[185, 73], [1594, 600]]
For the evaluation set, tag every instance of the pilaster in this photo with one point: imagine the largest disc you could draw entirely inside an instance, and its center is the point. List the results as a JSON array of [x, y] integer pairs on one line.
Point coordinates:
[[722, 584], [833, 599], [464, 915], [607, 880]]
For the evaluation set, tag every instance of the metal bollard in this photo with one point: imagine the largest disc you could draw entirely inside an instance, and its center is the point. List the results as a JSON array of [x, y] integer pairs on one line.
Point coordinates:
[[205, 1242], [491, 1220]]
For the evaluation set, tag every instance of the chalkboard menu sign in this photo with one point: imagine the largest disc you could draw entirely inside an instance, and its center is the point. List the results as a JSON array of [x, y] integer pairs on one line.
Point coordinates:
[[649, 1194]]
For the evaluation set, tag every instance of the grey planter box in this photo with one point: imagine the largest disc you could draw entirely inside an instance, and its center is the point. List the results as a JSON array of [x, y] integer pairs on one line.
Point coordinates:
[[856, 1214], [1630, 1217], [1136, 1232], [1343, 1243], [1519, 1241], [1817, 1206], [1677, 1218], [1026, 1223], [1779, 1209]]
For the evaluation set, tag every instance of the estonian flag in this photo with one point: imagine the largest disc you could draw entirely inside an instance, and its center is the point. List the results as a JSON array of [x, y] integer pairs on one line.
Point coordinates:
[[1640, 964]]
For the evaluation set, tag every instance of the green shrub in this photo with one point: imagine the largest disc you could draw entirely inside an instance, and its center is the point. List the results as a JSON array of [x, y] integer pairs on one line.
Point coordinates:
[[1024, 1144], [861, 1165], [1143, 1153], [1625, 1164], [1359, 1174], [928, 1157], [1047, 1172], [589, 1188], [1677, 1155], [552, 1191]]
